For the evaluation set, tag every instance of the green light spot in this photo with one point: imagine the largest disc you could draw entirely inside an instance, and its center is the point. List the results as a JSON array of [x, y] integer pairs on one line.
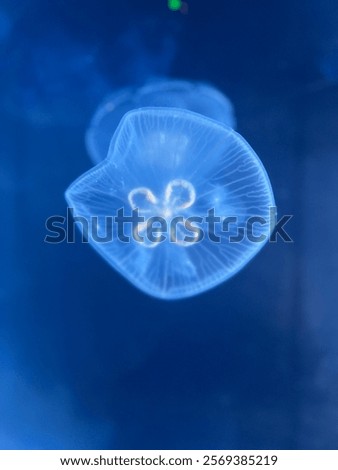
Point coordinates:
[[174, 5]]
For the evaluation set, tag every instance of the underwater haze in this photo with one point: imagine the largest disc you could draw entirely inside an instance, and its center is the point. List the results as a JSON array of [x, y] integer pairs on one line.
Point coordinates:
[[87, 361]]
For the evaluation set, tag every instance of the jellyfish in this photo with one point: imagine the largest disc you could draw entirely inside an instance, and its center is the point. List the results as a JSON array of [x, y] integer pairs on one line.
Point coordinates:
[[179, 201], [195, 96]]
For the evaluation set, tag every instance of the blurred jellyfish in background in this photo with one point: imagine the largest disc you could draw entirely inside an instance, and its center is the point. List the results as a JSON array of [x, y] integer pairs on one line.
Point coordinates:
[[170, 163], [194, 96]]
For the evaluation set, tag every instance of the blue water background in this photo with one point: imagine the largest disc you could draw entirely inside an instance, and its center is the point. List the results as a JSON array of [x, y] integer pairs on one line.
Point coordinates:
[[88, 361]]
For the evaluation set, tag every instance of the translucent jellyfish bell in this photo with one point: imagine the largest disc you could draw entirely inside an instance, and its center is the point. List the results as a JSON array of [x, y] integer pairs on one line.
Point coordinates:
[[194, 96], [173, 206]]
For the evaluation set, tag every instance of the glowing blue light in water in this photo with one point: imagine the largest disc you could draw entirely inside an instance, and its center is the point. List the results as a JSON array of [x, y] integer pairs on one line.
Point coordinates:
[[173, 164]]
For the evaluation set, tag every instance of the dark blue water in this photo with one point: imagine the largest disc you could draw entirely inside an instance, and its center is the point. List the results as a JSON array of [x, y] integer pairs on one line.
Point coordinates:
[[88, 361]]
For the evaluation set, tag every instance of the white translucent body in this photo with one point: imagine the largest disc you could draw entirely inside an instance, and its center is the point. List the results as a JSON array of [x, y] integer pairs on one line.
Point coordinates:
[[168, 162], [194, 96]]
